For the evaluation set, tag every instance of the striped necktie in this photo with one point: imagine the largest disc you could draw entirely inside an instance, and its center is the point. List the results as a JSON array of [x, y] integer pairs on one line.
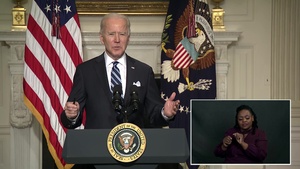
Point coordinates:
[[115, 75]]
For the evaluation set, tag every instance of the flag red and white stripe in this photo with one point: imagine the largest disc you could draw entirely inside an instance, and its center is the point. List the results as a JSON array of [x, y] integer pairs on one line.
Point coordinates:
[[182, 58], [51, 57]]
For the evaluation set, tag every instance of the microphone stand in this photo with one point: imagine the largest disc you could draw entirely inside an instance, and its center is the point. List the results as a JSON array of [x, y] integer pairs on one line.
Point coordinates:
[[124, 110]]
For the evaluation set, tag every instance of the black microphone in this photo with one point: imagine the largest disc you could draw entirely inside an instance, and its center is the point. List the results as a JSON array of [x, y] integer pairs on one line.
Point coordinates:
[[134, 101], [117, 99]]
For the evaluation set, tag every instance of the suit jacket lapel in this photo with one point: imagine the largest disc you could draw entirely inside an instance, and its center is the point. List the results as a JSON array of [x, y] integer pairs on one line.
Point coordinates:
[[100, 69], [130, 77], [102, 76]]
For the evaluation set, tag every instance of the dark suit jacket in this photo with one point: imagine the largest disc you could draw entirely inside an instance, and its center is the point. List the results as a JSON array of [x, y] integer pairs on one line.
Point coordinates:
[[92, 91]]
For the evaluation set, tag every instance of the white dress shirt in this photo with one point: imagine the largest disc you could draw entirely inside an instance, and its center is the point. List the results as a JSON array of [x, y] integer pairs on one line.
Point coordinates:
[[122, 67]]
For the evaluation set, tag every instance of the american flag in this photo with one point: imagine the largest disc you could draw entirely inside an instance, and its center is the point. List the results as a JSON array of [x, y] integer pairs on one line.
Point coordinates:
[[53, 49], [187, 58]]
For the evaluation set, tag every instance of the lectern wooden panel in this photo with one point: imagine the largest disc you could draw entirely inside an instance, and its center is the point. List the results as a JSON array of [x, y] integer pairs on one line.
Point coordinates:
[[89, 146]]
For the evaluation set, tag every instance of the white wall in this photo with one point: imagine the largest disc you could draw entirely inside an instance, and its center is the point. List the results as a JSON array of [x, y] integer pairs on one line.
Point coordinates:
[[250, 76]]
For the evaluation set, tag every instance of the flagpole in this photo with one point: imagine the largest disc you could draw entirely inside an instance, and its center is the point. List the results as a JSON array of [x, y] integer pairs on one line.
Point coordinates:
[[218, 16], [18, 17]]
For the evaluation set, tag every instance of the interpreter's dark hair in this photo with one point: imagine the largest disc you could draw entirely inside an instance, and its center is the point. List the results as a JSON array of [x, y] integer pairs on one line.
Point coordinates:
[[246, 107]]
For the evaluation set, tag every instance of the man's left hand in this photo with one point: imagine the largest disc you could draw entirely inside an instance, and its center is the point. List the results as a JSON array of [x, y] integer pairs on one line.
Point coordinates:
[[171, 106]]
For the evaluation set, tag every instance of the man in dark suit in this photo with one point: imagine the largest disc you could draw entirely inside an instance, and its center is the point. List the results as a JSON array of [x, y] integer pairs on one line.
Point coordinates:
[[92, 90]]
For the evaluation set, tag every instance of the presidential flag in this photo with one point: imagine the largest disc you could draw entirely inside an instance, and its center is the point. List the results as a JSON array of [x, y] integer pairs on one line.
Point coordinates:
[[53, 49], [187, 57]]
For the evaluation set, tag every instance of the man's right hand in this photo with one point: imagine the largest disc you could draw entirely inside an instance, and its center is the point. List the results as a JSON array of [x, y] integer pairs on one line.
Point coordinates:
[[72, 109]]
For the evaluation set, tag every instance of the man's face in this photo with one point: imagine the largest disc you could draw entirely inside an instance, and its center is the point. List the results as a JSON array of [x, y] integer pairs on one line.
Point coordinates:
[[115, 37]]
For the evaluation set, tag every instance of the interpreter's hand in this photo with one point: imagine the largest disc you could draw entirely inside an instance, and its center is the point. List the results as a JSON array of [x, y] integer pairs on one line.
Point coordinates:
[[72, 109], [227, 141], [239, 137], [171, 106]]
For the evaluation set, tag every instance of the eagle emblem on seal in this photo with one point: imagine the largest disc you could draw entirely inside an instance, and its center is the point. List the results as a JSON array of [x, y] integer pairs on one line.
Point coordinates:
[[126, 140]]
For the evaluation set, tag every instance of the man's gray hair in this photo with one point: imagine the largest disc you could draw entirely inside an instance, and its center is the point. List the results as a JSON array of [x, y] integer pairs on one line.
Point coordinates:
[[114, 15]]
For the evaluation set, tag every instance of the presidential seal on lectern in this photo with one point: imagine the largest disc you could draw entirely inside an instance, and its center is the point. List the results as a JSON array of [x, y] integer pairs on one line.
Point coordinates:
[[126, 142]]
